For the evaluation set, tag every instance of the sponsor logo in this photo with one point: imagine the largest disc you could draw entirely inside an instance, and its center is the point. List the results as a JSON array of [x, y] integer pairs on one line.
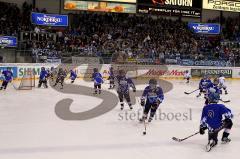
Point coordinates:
[[211, 72], [49, 19], [189, 62], [226, 5], [186, 3], [153, 72], [8, 41]]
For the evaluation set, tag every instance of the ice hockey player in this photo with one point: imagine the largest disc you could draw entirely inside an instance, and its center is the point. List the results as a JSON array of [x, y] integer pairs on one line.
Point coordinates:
[[73, 76], [7, 76], [204, 84], [215, 117], [111, 78], [61, 75], [212, 88], [187, 76], [52, 73], [151, 98], [123, 85], [98, 81], [222, 84], [43, 78]]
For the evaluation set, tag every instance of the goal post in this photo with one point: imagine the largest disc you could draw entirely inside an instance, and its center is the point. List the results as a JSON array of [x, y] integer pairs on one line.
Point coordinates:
[[27, 82]]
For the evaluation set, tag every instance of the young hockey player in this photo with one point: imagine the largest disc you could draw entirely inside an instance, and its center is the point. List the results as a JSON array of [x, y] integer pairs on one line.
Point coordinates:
[[111, 78], [212, 88], [98, 81], [123, 85], [212, 119], [7, 77], [222, 84], [52, 73], [60, 77], [73, 76], [43, 78], [152, 97], [187, 76], [204, 84]]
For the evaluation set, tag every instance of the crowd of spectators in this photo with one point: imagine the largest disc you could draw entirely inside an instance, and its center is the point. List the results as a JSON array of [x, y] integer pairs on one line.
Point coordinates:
[[124, 36]]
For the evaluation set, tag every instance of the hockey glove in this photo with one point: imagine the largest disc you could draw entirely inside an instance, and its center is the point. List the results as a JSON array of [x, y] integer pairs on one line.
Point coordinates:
[[202, 129], [142, 102], [227, 123]]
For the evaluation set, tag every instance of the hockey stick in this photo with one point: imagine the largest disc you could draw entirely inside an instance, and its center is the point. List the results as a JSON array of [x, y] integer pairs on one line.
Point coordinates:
[[145, 128], [191, 92], [14, 86], [225, 101], [180, 140]]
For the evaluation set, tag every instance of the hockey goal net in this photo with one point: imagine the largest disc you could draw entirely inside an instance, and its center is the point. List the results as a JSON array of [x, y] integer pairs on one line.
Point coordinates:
[[27, 82]]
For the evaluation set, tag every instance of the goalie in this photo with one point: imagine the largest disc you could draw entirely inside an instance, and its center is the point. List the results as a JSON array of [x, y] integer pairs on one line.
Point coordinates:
[[43, 78]]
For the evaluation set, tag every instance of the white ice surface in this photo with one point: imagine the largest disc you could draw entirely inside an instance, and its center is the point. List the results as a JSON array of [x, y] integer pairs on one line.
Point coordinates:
[[30, 129]]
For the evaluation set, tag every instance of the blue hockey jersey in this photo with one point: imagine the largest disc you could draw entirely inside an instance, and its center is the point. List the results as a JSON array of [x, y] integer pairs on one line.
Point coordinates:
[[7, 75], [73, 75], [205, 84], [97, 78], [43, 75], [152, 95], [124, 83], [212, 115]]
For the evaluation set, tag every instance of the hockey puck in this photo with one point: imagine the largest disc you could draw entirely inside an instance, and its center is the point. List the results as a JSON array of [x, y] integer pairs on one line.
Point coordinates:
[[144, 133]]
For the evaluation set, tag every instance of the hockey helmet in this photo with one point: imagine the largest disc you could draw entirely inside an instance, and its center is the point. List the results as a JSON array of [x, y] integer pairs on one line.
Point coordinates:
[[216, 81], [153, 83], [95, 70], [43, 68], [122, 72], [213, 97]]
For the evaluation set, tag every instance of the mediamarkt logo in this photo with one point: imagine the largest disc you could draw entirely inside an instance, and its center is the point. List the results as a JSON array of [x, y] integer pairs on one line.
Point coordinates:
[[187, 3], [49, 19], [153, 72]]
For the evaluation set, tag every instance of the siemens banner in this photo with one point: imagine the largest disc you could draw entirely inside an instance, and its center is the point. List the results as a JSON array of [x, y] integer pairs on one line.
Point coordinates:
[[222, 5], [49, 19], [8, 41], [204, 28]]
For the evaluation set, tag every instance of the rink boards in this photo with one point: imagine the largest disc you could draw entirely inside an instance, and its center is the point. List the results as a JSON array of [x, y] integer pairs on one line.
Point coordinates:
[[134, 71]]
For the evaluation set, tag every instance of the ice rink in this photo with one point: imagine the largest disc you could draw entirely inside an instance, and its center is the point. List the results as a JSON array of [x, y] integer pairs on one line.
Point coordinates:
[[31, 129]]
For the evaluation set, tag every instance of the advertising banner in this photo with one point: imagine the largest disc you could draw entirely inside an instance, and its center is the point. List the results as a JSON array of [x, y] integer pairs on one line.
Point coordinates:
[[218, 63], [49, 19], [8, 41], [211, 72], [222, 5], [186, 8], [101, 6], [204, 28]]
